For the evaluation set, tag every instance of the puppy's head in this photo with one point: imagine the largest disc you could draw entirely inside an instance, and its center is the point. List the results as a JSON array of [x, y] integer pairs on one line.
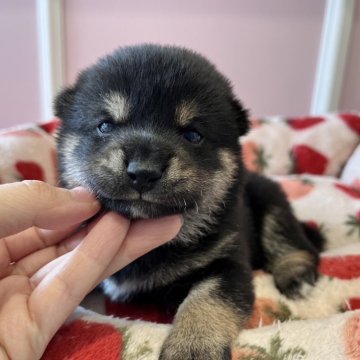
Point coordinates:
[[152, 130]]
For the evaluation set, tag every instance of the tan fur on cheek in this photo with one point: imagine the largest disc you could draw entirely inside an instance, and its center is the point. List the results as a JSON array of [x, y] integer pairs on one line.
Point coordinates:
[[217, 185], [177, 170], [224, 178], [213, 188], [71, 174], [68, 146], [229, 162]]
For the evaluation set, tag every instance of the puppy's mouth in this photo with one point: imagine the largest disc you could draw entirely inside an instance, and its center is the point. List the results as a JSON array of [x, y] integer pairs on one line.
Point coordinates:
[[136, 205], [143, 207]]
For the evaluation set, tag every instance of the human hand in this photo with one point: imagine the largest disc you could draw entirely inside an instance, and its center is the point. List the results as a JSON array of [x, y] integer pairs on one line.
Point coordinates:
[[46, 269]]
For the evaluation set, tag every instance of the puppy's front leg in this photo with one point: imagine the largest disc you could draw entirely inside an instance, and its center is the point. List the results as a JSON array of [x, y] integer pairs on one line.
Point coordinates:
[[210, 318]]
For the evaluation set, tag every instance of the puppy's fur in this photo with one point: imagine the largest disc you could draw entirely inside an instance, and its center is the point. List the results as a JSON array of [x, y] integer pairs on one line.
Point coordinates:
[[154, 131]]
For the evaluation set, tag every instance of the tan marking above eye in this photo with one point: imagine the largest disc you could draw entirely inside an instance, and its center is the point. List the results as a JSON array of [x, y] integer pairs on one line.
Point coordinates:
[[185, 112], [117, 106]]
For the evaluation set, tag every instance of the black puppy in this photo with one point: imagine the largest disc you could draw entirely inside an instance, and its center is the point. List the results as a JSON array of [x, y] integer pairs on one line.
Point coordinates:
[[154, 131]]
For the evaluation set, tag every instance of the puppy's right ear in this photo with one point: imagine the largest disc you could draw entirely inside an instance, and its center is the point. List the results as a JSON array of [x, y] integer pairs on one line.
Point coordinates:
[[64, 102], [241, 115]]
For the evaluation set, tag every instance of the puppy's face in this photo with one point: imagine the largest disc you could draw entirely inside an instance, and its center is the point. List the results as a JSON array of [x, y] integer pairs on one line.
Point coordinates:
[[152, 131]]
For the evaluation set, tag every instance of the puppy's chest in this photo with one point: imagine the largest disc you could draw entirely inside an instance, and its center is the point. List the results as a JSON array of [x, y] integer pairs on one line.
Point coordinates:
[[167, 274], [162, 284], [157, 305]]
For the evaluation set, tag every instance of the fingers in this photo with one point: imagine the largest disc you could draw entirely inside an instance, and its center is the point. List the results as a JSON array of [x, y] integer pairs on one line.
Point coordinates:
[[34, 203], [28, 251], [110, 245], [143, 236], [32, 263], [62, 289], [46, 259], [31, 240], [147, 234]]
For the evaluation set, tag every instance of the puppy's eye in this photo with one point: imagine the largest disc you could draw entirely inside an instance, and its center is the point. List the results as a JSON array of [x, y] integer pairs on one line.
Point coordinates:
[[193, 136], [106, 127]]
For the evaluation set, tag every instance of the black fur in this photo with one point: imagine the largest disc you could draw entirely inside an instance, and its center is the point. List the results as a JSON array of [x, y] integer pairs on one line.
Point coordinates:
[[234, 221]]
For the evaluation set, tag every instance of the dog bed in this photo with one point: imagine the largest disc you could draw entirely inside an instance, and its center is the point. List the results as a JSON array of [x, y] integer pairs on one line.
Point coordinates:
[[317, 162]]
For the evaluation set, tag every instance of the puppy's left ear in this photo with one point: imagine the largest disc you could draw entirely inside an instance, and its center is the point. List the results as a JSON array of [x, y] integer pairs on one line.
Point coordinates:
[[64, 102], [242, 116]]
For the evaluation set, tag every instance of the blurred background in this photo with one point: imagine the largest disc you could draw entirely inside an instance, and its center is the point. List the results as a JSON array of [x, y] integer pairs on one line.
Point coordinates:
[[270, 49]]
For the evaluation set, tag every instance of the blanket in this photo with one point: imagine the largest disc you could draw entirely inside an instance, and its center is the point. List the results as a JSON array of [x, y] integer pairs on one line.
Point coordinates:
[[316, 160]]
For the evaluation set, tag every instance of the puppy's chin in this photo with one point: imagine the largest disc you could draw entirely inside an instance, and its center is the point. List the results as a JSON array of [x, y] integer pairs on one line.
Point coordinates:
[[140, 209]]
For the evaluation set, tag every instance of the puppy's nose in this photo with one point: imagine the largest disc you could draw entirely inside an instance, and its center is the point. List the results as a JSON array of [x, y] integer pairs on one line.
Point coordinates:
[[143, 177]]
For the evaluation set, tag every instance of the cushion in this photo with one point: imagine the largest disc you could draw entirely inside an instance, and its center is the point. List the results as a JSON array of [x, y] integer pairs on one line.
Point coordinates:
[[305, 155], [313, 145]]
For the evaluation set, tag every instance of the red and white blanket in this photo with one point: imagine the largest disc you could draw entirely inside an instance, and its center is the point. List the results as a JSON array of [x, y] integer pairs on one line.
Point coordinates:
[[317, 162]]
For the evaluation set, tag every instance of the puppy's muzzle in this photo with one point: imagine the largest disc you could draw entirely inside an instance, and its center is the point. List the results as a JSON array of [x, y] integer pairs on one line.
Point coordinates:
[[146, 158], [143, 176]]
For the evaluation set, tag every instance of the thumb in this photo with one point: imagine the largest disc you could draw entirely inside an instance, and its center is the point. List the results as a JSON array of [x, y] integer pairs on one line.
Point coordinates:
[[35, 203]]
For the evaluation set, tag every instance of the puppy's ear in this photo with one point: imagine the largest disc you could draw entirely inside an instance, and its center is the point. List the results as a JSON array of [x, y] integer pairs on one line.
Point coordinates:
[[64, 102], [242, 116]]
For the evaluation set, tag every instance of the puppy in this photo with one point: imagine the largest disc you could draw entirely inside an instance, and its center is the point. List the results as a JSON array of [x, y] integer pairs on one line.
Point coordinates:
[[154, 131]]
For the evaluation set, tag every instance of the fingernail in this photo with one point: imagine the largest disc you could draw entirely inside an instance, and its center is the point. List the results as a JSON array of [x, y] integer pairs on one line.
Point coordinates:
[[82, 195]]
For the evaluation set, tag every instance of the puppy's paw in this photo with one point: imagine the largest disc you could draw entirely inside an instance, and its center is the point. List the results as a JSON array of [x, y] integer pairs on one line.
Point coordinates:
[[295, 273], [191, 351]]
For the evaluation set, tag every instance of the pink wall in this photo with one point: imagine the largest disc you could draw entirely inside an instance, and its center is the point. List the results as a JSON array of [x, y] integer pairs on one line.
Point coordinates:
[[350, 97], [19, 75], [268, 49]]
